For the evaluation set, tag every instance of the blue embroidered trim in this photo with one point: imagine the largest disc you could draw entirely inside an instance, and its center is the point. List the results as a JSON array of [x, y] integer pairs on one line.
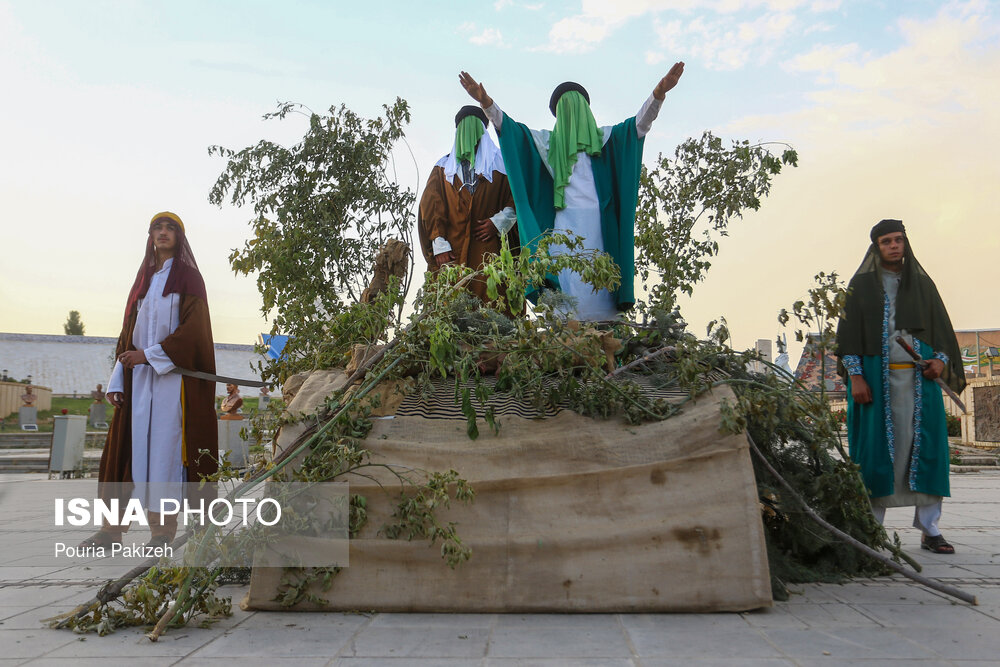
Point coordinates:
[[890, 432], [943, 357], [918, 404], [852, 363]]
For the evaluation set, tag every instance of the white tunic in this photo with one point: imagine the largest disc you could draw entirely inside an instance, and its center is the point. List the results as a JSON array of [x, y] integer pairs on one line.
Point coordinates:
[[582, 215], [156, 398]]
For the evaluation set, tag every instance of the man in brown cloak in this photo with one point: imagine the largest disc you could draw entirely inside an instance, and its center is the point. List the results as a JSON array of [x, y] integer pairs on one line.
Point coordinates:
[[467, 204]]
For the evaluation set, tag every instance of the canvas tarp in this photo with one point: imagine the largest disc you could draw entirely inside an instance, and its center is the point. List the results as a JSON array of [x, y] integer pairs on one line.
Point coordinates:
[[571, 514]]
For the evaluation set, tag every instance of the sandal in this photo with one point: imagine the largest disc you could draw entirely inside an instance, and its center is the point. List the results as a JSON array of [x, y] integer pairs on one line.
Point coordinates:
[[99, 540], [936, 544]]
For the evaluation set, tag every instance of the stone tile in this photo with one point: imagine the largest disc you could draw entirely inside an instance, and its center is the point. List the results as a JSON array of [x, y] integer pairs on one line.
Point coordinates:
[[929, 616], [95, 662], [419, 642], [433, 620], [717, 662], [847, 643], [20, 596], [831, 662], [876, 593], [277, 620], [991, 570], [408, 662], [829, 615], [957, 643], [31, 618], [809, 594], [11, 612], [685, 622], [776, 617], [577, 621], [254, 662], [133, 643], [526, 641], [32, 643], [559, 662], [742, 644], [281, 642]]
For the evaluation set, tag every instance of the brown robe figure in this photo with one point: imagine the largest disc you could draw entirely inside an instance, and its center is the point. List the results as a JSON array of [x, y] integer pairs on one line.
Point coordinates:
[[466, 206], [189, 346]]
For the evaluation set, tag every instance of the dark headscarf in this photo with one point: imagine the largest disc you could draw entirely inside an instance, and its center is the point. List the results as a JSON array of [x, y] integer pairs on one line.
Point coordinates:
[[919, 309], [471, 110], [564, 88], [184, 277]]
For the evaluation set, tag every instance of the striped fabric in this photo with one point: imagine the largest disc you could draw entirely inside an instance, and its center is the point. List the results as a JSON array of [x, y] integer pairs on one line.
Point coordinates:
[[441, 401]]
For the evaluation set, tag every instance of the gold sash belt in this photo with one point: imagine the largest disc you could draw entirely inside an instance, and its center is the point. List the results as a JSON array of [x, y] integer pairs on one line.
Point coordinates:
[[899, 367]]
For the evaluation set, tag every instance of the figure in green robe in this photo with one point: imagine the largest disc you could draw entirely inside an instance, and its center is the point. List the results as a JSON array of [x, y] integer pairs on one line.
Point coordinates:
[[896, 427], [580, 180]]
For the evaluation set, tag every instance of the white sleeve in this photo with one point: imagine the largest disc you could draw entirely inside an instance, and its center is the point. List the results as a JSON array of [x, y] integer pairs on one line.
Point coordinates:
[[647, 114], [504, 220], [158, 359], [440, 245], [117, 381], [495, 115]]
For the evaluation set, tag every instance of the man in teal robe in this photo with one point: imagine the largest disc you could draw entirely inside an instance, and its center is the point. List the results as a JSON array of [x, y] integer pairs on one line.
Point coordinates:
[[578, 180], [896, 426]]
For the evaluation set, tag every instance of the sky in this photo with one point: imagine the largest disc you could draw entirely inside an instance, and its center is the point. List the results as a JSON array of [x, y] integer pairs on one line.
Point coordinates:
[[109, 108]]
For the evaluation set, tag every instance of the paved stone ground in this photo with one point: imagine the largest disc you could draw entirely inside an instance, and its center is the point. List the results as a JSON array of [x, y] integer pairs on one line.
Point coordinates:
[[885, 621]]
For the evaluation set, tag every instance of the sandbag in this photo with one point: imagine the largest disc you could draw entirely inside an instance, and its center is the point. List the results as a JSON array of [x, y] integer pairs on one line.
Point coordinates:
[[571, 514]]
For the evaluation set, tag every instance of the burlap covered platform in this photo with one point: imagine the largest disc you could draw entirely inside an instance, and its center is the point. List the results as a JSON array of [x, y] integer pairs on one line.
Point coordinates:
[[571, 515]]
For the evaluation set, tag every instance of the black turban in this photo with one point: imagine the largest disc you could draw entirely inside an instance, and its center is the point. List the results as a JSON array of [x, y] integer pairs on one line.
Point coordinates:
[[471, 110], [887, 226], [564, 88]]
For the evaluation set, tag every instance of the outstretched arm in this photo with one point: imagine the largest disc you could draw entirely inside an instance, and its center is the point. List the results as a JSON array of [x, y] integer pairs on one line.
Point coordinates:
[[651, 108], [475, 90], [669, 81], [478, 93]]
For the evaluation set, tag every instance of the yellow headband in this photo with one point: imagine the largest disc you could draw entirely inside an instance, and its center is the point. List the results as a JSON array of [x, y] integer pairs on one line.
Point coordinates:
[[169, 216]]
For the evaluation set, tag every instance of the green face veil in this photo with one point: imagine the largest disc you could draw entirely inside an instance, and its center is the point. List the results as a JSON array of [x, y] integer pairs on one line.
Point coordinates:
[[575, 131], [467, 135]]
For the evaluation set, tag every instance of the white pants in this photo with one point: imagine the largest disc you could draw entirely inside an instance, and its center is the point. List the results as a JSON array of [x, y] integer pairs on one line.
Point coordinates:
[[924, 517]]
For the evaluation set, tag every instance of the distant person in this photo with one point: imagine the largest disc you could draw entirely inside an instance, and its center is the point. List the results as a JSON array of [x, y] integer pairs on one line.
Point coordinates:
[[162, 419], [580, 179], [896, 425], [466, 205]]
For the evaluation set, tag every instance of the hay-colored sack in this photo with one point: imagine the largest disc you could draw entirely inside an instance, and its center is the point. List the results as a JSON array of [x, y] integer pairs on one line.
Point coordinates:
[[571, 514]]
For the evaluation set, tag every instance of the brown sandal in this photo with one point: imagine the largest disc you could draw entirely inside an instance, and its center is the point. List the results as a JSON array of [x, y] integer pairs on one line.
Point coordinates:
[[101, 540], [936, 544]]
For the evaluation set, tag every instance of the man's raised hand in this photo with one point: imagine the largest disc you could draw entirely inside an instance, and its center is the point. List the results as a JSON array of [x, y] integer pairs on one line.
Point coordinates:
[[669, 81], [475, 90]]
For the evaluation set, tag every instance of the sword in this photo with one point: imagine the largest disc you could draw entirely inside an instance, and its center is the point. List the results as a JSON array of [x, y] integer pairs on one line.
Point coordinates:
[[219, 378], [923, 364]]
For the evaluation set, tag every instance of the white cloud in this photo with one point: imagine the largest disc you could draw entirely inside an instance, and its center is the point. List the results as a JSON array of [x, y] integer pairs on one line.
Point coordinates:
[[819, 6], [823, 58], [654, 58], [598, 19], [488, 37], [724, 43]]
